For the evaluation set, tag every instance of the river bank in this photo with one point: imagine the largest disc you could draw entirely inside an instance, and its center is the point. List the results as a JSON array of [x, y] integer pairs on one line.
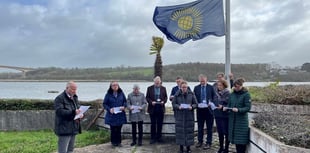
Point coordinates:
[[20, 80], [88, 90]]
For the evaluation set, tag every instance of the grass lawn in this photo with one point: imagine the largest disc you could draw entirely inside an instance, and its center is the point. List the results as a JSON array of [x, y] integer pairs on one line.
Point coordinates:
[[44, 141]]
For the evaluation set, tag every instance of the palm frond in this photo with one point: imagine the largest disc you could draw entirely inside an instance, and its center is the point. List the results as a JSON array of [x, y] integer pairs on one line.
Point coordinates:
[[152, 52], [157, 44]]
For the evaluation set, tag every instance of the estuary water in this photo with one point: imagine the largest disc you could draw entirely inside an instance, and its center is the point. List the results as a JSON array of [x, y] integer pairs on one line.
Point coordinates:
[[88, 90]]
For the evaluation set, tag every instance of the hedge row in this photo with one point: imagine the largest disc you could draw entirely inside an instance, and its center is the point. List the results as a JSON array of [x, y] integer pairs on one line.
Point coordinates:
[[288, 95], [37, 104]]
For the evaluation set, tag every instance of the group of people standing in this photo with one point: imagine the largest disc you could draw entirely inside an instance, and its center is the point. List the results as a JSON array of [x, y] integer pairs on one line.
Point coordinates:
[[212, 102], [229, 109], [136, 103]]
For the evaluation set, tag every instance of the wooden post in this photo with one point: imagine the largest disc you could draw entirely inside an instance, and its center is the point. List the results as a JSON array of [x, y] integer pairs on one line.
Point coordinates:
[[94, 120]]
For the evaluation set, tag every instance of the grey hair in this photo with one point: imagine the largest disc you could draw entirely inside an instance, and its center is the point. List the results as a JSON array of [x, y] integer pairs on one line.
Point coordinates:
[[70, 83], [157, 78], [202, 76], [136, 86], [220, 73]]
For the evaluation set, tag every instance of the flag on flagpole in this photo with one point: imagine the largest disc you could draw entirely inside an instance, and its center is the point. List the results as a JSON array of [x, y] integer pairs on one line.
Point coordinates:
[[194, 20]]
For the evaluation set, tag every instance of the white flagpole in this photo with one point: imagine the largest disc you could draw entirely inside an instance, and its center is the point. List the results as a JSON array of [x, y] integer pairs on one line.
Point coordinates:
[[227, 42]]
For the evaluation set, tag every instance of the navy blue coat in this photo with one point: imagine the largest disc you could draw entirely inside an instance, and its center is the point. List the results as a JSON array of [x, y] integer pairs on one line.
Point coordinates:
[[111, 101], [209, 92]]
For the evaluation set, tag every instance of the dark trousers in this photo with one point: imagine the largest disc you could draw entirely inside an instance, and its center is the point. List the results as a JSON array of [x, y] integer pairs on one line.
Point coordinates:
[[222, 129], [240, 148], [116, 134], [156, 125], [204, 115], [134, 131]]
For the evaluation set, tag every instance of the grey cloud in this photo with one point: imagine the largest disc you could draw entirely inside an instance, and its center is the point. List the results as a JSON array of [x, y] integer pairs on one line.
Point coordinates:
[[116, 32]]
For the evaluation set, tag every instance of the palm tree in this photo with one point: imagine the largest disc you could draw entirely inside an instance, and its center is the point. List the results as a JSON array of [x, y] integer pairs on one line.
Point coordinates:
[[156, 47]]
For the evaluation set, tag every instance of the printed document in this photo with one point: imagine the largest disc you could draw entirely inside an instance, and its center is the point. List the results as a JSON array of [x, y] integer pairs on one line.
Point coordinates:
[[185, 106], [136, 109], [83, 110], [213, 107], [117, 110], [202, 105]]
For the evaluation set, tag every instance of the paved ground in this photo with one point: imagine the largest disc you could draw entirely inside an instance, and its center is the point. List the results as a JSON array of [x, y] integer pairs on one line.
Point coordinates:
[[168, 147]]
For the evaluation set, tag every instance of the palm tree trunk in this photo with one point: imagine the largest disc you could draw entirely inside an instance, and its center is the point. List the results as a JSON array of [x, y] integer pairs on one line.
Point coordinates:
[[158, 66]]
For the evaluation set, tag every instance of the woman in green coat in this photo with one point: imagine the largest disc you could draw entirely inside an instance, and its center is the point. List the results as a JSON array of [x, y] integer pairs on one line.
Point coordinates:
[[238, 106]]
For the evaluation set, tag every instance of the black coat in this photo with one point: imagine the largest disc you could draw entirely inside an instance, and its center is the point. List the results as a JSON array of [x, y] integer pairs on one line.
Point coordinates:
[[221, 99], [150, 97], [184, 118], [64, 115]]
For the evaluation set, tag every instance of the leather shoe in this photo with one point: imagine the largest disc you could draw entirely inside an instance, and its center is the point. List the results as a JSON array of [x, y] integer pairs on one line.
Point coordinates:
[[152, 141], [139, 143], [199, 144], [132, 144], [160, 140]]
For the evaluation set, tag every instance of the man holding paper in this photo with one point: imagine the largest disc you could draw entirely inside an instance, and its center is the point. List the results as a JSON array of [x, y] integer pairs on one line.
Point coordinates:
[[204, 93], [66, 125], [136, 104], [156, 96], [184, 104]]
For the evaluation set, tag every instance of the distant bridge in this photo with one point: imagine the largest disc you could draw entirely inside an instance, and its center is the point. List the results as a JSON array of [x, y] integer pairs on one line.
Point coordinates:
[[24, 70]]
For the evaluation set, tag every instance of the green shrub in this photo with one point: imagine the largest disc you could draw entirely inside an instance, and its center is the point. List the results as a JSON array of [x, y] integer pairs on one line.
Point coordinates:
[[37, 104], [289, 94]]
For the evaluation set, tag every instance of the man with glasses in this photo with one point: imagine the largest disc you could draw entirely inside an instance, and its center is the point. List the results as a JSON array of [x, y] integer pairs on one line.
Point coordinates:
[[156, 97]]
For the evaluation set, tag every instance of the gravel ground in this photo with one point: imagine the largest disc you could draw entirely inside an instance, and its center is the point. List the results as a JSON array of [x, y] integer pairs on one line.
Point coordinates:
[[166, 147]]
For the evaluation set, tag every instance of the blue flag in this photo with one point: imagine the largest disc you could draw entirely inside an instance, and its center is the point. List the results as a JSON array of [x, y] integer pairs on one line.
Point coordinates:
[[194, 20]]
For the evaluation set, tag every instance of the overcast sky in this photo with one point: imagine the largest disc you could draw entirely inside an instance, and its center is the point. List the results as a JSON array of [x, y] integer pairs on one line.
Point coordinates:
[[110, 33]]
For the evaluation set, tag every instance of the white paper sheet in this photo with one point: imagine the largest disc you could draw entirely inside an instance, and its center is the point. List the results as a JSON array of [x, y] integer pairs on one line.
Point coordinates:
[[213, 107], [185, 106], [83, 110], [202, 105], [228, 108], [117, 110], [136, 109]]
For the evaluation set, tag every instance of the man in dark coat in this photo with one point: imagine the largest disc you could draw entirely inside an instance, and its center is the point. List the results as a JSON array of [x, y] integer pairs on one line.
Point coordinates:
[[184, 104], [66, 107], [156, 96], [204, 93]]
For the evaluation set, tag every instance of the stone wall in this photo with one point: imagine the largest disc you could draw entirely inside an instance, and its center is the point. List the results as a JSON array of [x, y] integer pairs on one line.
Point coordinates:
[[33, 119], [289, 109], [263, 143], [168, 125], [26, 120], [260, 142]]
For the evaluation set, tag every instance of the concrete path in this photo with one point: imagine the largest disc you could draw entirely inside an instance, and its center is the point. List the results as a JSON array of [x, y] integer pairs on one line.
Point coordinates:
[[167, 147]]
